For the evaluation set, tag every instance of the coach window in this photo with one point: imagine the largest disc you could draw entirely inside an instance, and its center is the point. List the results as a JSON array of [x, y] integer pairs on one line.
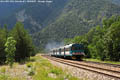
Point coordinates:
[[67, 49], [73, 48], [60, 50]]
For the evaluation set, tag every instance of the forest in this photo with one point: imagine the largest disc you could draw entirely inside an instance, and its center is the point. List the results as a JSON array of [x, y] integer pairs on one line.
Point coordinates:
[[15, 43], [101, 42]]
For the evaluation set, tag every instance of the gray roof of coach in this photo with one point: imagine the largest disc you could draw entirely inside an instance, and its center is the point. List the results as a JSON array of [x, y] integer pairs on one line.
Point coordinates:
[[68, 46], [62, 47]]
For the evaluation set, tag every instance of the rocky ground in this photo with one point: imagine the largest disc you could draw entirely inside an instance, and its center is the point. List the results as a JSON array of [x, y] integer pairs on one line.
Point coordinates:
[[82, 74], [17, 72]]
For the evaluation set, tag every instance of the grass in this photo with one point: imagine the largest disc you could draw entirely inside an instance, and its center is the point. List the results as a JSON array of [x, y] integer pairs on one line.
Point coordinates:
[[37, 68], [44, 68], [8, 77], [7, 73], [4, 77], [96, 60]]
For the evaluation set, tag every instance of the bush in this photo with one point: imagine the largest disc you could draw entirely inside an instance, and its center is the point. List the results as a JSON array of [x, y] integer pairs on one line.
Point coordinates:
[[31, 71], [56, 71], [10, 50], [29, 65]]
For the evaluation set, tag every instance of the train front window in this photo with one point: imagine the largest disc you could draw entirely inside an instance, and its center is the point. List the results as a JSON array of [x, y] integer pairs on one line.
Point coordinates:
[[77, 48]]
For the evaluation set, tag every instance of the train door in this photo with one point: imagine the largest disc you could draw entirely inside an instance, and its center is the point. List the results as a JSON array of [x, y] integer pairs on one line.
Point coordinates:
[[56, 52], [64, 53], [59, 52]]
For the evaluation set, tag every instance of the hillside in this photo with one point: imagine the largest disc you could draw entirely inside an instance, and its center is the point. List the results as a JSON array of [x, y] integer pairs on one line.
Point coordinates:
[[116, 2], [77, 18], [7, 9], [34, 16]]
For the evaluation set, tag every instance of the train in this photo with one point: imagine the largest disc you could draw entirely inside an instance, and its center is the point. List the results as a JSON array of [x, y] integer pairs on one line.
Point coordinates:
[[73, 51]]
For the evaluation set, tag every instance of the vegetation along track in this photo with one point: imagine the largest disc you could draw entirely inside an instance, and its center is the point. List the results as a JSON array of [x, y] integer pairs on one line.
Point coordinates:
[[111, 71]]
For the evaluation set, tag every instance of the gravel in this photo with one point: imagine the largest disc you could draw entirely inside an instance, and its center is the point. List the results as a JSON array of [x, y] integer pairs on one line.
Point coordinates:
[[81, 73]]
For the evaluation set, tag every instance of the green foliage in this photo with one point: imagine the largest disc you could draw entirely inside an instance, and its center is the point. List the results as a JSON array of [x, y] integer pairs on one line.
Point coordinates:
[[31, 72], [31, 69], [56, 71], [3, 70], [29, 65], [100, 49], [46, 71], [112, 42], [3, 38], [10, 50], [4, 77], [102, 42], [24, 45], [92, 50], [67, 41], [15, 44], [104, 39]]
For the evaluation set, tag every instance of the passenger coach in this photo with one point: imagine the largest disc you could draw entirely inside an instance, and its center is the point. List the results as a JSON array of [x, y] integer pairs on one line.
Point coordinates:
[[74, 51]]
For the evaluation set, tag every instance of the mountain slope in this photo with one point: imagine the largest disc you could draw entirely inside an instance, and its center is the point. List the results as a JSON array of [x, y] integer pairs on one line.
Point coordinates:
[[116, 2], [8, 8], [35, 16], [76, 19]]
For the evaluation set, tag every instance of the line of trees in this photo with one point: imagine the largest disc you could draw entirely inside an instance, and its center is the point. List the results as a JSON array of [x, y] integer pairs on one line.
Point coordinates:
[[24, 45], [102, 42]]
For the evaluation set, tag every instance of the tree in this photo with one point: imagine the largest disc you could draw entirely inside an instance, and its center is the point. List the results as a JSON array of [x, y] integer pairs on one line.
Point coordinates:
[[2, 47], [112, 42], [10, 50], [67, 41], [6, 31], [24, 45], [84, 41], [92, 49], [100, 49]]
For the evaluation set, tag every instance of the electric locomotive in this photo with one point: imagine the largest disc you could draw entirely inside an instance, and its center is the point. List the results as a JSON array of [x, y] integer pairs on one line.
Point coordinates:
[[74, 51]]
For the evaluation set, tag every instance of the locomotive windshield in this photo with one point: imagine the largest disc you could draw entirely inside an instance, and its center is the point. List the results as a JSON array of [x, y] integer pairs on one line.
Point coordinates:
[[77, 47]]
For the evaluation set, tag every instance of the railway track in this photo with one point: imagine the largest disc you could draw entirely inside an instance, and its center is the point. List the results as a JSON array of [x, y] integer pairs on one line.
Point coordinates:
[[107, 64], [94, 67]]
